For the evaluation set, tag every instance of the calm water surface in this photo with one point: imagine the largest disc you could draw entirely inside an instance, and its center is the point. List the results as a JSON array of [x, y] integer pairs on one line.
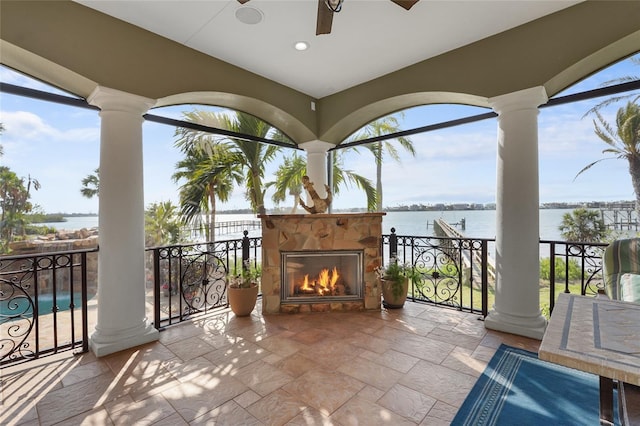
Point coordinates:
[[479, 223]]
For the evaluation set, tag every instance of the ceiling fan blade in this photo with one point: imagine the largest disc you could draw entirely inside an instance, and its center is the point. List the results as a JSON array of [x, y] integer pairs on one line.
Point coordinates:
[[242, 1], [325, 19], [407, 4]]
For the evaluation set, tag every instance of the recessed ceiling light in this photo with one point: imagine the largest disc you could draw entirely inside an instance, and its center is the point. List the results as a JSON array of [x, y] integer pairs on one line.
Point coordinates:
[[301, 45], [249, 15]]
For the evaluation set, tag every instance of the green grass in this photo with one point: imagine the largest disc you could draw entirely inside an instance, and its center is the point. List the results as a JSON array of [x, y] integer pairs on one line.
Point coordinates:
[[574, 288]]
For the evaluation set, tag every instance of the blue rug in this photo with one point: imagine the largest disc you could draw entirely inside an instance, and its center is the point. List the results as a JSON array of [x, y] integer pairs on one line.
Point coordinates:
[[517, 388]]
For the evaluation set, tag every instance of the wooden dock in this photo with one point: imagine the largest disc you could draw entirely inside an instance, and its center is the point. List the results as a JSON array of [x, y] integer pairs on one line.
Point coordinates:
[[620, 217], [235, 226], [443, 229]]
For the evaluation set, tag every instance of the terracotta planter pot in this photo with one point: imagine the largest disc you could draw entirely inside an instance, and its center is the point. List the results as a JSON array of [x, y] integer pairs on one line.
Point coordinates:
[[391, 300], [243, 300]]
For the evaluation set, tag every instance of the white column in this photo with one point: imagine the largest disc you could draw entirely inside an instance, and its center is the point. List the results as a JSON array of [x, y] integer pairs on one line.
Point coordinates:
[[517, 294], [317, 165], [122, 321]]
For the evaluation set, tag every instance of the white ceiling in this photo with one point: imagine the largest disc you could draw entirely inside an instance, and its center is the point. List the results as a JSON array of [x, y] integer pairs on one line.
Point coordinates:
[[369, 38]]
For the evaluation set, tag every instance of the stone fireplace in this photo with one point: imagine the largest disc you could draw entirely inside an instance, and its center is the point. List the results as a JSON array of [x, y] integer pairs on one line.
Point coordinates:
[[321, 262]]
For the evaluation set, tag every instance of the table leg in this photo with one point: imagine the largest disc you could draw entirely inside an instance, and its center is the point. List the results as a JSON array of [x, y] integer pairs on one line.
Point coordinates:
[[606, 401]]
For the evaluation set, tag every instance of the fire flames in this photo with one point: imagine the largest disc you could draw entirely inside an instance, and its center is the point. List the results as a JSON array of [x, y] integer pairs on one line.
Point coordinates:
[[325, 285]]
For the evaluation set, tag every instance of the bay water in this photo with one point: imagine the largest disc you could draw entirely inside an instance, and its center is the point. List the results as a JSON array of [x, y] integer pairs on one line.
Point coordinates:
[[479, 223]]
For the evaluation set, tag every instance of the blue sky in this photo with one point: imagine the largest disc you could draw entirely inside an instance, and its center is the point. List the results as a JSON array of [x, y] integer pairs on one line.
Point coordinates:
[[59, 145]]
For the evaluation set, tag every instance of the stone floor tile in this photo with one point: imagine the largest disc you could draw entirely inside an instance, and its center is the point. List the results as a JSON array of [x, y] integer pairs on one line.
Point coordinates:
[[193, 369], [229, 413], [360, 412], [371, 373], [331, 353], [295, 365], [190, 348], [173, 420], [277, 408], [311, 416], [191, 400], [324, 390], [145, 412], [78, 398], [340, 369], [424, 348], [19, 412], [370, 343], [237, 356], [98, 416], [141, 360], [280, 345], [407, 402], [464, 361], [440, 414], [247, 398], [262, 378], [175, 334], [458, 339], [392, 359], [310, 336], [82, 372], [441, 383], [413, 325], [371, 393]]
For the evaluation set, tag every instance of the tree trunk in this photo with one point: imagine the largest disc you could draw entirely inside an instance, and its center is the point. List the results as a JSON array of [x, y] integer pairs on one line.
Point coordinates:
[[212, 217], [379, 176], [296, 201], [634, 171]]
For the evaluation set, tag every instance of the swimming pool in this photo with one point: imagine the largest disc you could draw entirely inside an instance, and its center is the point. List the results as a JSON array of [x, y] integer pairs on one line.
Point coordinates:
[[21, 306]]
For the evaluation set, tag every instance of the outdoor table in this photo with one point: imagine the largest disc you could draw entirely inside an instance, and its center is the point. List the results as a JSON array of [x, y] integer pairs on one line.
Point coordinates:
[[599, 336]]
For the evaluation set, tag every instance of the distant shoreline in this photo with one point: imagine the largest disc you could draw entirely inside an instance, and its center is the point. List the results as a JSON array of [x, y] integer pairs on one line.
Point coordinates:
[[622, 204]]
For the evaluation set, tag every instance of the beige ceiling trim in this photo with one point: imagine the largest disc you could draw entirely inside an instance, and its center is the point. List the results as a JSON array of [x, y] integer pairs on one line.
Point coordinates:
[[590, 65], [279, 118], [361, 117], [44, 70]]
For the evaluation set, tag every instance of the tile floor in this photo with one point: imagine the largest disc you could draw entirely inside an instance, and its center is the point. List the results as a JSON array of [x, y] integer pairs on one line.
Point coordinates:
[[412, 366]]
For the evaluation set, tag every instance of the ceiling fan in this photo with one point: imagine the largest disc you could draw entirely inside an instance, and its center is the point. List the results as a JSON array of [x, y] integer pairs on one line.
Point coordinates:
[[326, 9]]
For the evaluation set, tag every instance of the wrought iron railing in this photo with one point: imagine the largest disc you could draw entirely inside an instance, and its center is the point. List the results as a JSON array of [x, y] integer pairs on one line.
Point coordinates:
[[457, 272], [44, 303], [453, 272], [574, 267], [46, 299], [190, 279]]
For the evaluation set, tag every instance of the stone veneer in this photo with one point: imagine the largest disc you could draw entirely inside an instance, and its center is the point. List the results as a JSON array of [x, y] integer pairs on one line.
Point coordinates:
[[362, 231]]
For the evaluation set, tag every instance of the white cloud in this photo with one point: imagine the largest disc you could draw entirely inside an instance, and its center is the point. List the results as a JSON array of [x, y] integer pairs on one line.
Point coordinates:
[[24, 126]]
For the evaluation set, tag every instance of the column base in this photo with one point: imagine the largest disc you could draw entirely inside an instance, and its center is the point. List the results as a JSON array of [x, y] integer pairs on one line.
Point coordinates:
[[102, 344], [532, 327]]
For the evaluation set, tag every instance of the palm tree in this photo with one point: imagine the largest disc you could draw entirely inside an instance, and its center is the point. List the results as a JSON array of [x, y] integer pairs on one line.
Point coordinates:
[[250, 156], [91, 185], [1, 148], [210, 172], [289, 179], [254, 156], [347, 178], [623, 141], [161, 224], [633, 96], [380, 149], [584, 226]]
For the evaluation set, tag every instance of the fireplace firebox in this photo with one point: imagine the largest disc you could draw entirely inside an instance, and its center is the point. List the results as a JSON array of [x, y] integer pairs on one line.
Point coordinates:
[[322, 276]]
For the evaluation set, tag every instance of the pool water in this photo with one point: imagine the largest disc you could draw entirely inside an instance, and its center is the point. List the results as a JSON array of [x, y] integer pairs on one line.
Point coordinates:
[[21, 305]]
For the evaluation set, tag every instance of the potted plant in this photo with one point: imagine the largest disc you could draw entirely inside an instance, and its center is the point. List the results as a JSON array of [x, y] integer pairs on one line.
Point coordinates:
[[394, 280], [243, 289]]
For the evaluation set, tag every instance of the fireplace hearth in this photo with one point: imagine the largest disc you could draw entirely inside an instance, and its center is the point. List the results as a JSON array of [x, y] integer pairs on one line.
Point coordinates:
[[320, 262], [316, 276]]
